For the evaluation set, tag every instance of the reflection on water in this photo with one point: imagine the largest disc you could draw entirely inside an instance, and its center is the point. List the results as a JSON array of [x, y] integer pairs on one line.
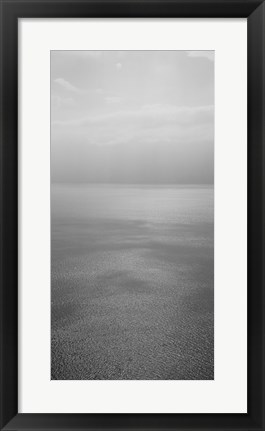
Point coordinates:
[[132, 282]]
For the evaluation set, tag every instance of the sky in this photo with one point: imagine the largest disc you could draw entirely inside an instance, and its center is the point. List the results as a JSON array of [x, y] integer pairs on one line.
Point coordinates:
[[144, 117]]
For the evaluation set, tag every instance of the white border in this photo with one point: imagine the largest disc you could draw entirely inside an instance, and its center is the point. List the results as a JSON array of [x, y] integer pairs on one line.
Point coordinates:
[[228, 392]]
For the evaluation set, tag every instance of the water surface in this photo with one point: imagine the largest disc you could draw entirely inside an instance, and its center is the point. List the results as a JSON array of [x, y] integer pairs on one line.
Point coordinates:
[[132, 282]]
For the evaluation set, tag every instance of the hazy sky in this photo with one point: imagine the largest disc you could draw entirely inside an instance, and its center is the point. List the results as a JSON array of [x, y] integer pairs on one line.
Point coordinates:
[[132, 116]]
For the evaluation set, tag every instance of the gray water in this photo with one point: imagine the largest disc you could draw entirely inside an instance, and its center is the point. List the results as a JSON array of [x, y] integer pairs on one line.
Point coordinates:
[[132, 282]]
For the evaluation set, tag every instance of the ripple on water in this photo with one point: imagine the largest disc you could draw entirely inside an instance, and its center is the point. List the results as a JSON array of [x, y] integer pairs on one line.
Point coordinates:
[[133, 299]]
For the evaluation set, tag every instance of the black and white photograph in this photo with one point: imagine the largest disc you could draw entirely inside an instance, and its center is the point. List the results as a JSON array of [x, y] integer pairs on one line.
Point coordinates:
[[132, 215]]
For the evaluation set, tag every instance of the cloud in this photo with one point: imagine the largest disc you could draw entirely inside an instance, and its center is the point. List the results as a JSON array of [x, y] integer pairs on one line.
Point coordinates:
[[133, 110], [201, 54], [148, 115], [67, 85], [73, 89], [151, 124], [62, 102]]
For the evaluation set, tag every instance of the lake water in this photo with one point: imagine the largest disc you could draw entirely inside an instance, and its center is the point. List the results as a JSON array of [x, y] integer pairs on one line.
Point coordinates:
[[132, 282]]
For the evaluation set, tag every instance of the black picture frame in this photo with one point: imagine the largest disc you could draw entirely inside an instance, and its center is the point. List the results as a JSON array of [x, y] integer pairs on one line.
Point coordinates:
[[11, 11]]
